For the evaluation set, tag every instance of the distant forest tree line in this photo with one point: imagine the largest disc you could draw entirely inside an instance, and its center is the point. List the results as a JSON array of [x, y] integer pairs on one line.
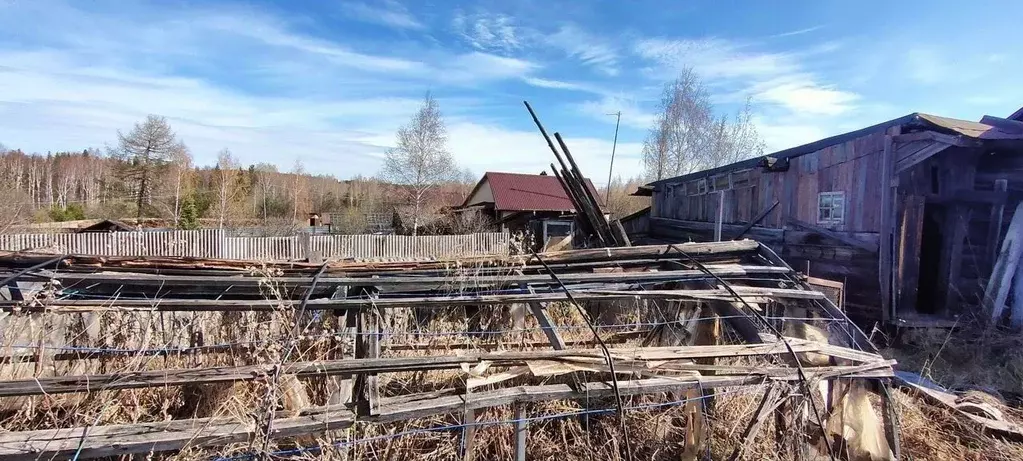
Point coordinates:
[[150, 173]]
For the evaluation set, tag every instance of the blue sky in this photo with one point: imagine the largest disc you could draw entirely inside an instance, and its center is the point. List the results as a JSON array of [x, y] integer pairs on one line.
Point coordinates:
[[329, 81]]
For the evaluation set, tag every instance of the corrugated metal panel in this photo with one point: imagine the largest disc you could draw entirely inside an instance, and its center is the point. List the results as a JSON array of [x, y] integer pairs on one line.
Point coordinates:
[[529, 192]]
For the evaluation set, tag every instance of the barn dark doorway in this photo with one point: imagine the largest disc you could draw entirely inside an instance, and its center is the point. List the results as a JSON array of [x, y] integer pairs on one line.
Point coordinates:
[[928, 297]]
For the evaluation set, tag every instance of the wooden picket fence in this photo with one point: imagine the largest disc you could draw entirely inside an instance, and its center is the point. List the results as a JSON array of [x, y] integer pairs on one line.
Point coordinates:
[[217, 243]]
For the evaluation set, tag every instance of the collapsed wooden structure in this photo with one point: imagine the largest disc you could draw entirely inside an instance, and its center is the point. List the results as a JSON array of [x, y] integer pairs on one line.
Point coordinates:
[[716, 315]]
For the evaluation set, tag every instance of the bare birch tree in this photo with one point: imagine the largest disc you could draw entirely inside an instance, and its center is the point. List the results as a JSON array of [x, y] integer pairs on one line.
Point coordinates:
[[143, 154], [687, 137], [181, 165], [298, 185], [227, 172], [420, 159], [265, 174], [736, 139]]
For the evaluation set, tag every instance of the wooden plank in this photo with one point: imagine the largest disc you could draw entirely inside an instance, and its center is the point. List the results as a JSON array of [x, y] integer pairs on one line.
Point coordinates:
[[362, 366], [521, 430], [756, 220], [119, 440], [961, 223], [910, 242], [189, 305], [468, 434], [720, 216], [915, 158], [866, 246], [951, 402], [886, 228], [997, 291], [994, 230], [101, 353], [398, 281], [768, 404]]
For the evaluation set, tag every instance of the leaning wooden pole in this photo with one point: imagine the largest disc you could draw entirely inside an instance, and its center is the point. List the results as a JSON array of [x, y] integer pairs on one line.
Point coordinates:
[[588, 201], [575, 193], [573, 196]]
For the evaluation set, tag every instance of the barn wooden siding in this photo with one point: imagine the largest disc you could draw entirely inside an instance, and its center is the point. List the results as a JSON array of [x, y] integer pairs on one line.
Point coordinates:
[[215, 243], [853, 167]]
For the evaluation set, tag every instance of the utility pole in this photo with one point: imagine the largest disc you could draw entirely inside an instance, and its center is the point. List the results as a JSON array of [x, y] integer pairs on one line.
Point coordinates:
[[610, 168]]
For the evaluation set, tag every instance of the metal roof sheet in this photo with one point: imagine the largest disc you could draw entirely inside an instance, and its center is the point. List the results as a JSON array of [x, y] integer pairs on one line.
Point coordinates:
[[529, 192]]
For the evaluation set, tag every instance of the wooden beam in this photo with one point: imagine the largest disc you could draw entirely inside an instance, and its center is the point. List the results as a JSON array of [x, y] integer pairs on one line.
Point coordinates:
[[756, 220], [910, 241], [398, 281], [927, 135], [913, 159], [214, 267], [1003, 124], [887, 229], [120, 440], [521, 428], [768, 404], [994, 229], [721, 216], [850, 241], [192, 305], [366, 366], [961, 226], [997, 291], [101, 353]]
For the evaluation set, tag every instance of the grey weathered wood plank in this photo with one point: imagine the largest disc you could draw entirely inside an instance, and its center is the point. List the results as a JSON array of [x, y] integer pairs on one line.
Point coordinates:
[[190, 305], [866, 246], [477, 280], [348, 367]]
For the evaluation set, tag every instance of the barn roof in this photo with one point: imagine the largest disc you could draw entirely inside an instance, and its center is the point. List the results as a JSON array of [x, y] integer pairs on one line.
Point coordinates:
[[975, 130], [526, 192]]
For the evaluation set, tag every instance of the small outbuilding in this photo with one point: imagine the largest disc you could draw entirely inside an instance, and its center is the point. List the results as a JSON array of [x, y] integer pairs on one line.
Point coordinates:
[[525, 202]]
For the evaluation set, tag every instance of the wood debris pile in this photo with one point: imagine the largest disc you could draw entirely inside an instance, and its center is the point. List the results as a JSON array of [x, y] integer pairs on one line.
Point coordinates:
[[702, 317]]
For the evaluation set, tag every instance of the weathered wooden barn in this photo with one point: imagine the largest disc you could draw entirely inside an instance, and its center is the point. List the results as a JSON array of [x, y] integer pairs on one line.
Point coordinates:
[[908, 214]]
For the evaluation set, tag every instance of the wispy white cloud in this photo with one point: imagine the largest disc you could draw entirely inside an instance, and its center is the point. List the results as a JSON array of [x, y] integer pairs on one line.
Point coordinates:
[[388, 13], [781, 83], [272, 93], [592, 50], [490, 31], [798, 32], [713, 58], [478, 66], [800, 93], [554, 84]]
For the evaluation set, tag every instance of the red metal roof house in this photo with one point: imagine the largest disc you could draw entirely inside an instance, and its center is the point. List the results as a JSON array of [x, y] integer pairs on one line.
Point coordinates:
[[516, 202]]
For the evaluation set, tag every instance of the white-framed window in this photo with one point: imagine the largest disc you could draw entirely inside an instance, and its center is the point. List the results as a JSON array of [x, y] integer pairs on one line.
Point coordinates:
[[831, 207], [552, 229]]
